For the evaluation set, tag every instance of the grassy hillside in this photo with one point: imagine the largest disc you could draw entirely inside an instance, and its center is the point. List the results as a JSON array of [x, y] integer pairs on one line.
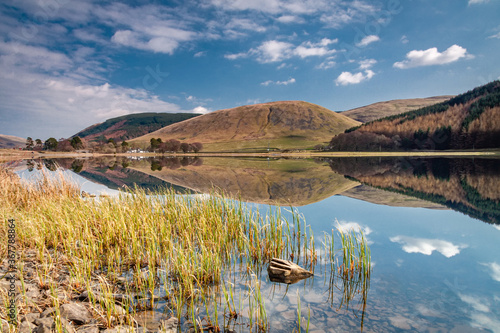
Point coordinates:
[[467, 121], [385, 109], [278, 125], [131, 126], [9, 141]]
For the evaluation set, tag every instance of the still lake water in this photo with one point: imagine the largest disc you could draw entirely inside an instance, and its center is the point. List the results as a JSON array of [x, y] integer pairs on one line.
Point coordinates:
[[433, 226]]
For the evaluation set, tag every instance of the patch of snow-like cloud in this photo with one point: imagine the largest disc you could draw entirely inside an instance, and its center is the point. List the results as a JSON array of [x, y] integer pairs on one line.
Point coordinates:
[[279, 83], [201, 109], [275, 50], [287, 19], [497, 36], [347, 78], [367, 63], [477, 2], [477, 304], [368, 40], [427, 246], [494, 270], [432, 56], [346, 226]]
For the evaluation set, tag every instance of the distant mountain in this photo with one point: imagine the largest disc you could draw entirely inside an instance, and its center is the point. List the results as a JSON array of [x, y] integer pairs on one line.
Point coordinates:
[[131, 126], [467, 121], [9, 141], [280, 125], [384, 109]]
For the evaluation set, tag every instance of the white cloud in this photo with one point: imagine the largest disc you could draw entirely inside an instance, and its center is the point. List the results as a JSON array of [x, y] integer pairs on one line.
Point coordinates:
[[367, 63], [245, 24], [200, 54], [280, 83], [290, 19], [476, 303], [480, 320], [274, 50], [201, 109], [345, 226], [235, 56], [432, 56], [404, 39], [368, 40], [63, 93], [427, 246], [475, 2], [495, 36], [494, 270], [327, 63], [346, 78]]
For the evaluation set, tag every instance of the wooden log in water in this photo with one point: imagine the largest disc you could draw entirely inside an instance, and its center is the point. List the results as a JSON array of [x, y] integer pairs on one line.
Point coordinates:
[[285, 271]]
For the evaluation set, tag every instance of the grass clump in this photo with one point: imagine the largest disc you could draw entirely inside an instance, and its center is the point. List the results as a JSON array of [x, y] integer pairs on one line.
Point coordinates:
[[182, 244]]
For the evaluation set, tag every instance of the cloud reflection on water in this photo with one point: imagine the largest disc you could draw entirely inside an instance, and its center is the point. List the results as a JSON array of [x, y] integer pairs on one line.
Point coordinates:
[[427, 246]]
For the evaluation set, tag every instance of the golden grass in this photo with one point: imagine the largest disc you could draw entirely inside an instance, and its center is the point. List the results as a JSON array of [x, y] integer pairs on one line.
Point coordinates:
[[179, 249]]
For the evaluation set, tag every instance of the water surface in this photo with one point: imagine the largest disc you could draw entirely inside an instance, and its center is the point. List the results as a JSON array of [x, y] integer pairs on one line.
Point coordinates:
[[433, 226]]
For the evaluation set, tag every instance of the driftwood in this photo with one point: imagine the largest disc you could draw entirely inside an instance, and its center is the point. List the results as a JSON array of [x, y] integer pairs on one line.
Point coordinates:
[[285, 271]]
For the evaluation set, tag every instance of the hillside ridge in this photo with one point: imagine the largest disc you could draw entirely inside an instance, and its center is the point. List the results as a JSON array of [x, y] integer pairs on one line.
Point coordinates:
[[392, 107], [282, 124]]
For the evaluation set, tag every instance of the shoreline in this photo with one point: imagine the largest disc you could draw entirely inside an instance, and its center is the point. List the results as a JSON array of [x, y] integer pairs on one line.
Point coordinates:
[[9, 155]]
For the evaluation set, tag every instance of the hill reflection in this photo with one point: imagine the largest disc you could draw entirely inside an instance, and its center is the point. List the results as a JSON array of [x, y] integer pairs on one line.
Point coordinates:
[[471, 186]]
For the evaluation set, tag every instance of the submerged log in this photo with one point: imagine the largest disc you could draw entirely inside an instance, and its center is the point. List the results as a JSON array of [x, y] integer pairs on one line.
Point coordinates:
[[285, 271]]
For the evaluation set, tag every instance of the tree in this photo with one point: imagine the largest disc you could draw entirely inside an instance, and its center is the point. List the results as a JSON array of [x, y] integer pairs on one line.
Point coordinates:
[[113, 142], [175, 145], [50, 144], [196, 146], [65, 145], [76, 142], [39, 144], [29, 143], [155, 143], [185, 147]]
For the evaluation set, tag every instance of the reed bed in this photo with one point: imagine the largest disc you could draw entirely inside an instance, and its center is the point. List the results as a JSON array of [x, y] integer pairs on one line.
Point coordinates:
[[181, 251]]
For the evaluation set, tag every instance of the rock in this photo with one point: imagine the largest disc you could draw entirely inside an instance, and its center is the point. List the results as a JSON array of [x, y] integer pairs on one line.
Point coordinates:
[[169, 325], [46, 321], [120, 311], [76, 312], [30, 317], [284, 271], [26, 327], [90, 329], [48, 312], [32, 292], [84, 296], [44, 325], [120, 329]]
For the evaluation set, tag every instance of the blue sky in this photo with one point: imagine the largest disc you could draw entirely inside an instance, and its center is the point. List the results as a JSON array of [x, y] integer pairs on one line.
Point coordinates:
[[66, 65]]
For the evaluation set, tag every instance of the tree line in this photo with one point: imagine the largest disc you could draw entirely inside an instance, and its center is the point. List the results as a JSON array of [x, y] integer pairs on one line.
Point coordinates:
[[110, 145]]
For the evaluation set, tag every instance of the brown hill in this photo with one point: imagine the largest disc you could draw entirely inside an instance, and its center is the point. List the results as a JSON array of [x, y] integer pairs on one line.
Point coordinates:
[[281, 182], [389, 108], [10, 141], [467, 121], [289, 124]]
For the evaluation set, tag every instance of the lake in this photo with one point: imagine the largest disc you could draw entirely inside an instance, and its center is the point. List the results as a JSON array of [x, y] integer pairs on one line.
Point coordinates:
[[433, 227]]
